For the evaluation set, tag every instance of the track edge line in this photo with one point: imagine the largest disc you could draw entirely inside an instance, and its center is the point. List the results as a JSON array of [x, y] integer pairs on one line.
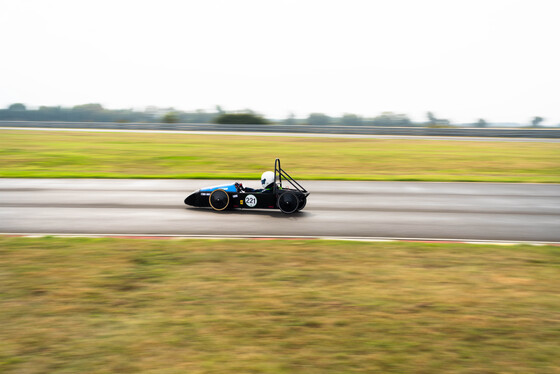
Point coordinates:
[[280, 237]]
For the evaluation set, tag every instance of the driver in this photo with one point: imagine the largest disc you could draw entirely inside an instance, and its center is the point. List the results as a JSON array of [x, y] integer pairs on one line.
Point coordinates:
[[267, 181]]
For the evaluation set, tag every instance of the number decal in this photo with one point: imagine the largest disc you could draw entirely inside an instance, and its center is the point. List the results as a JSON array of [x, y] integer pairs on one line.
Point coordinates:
[[251, 201]]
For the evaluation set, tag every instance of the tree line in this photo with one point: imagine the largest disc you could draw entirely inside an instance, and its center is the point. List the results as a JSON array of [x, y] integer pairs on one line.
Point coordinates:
[[97, 113]]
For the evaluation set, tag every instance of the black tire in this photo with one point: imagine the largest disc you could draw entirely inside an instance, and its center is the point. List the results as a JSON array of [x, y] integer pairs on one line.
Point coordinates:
[[219, 199], [302, 203], [288, 202]]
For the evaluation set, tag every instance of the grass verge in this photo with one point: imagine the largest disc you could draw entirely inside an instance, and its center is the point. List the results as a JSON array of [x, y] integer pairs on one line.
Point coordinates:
[[41, 154], [240, 306]]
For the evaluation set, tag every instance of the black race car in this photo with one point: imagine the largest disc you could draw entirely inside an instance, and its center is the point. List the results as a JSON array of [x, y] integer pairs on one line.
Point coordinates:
[[288, 200]]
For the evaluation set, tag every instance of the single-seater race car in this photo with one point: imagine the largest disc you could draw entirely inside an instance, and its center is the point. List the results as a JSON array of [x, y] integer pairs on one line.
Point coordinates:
[[272, 196]]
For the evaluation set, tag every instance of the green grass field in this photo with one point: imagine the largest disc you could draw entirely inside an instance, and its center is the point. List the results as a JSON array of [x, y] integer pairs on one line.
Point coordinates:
[[276, 306], [41, 154]]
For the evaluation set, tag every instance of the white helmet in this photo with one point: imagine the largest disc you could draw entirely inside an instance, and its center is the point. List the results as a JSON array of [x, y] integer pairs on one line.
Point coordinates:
[[267, 179]]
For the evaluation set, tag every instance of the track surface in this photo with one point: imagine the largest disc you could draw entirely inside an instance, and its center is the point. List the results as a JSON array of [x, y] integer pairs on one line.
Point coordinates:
[[467, 211]]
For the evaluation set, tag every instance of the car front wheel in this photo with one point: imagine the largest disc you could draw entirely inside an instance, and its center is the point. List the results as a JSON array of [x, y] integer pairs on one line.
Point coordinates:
[[219, 199]]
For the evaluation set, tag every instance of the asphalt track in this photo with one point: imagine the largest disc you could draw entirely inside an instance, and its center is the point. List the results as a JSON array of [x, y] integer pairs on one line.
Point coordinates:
[[404, 210]]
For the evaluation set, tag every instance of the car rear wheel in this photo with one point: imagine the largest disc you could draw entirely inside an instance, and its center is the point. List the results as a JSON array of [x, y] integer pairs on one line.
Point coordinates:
[[288, 202], [219, 199], [302, 202]]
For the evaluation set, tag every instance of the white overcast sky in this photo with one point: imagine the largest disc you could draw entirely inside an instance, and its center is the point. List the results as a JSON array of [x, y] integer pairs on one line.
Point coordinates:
[[463, 60]]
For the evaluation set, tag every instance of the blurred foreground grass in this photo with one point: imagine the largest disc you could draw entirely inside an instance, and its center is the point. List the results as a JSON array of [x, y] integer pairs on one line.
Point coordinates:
[[192, 306], [61, 154]]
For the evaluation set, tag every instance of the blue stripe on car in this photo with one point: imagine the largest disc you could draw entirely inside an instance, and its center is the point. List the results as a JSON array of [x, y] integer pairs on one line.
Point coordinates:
[[227, 187]]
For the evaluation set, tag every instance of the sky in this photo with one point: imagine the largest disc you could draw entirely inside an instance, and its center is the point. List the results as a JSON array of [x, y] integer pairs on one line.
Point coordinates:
[[463, 60]]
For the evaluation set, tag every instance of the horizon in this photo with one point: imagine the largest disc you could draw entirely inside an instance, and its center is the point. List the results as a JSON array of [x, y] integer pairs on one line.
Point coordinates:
[[161, 111]]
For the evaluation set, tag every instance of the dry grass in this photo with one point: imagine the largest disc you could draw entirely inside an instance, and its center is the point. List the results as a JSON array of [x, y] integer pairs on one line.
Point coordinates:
[[40, 154], [109, 305]]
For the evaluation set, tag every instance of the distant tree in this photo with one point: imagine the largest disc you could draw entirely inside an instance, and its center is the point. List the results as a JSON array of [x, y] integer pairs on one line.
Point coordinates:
[[170, 117], [219, 110], [199, 116], [351, 120], [537, 121], [51, 113], [49, 108], [83, 113], [241, 119], [318, 119], [481, 123], [431, 117], [291, 120], [437, 122], [90, 112], [88, 108], [17, 107], [392, 119]]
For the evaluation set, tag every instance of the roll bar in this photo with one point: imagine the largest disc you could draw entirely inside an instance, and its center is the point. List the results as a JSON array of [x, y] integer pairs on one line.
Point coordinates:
[[279, 173]]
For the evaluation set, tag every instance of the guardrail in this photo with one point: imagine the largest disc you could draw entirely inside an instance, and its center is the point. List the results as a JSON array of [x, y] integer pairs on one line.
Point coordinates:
[[328, 129]]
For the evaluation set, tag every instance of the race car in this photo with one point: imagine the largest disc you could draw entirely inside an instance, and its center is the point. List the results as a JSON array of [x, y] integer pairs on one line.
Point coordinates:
[[272, 196]]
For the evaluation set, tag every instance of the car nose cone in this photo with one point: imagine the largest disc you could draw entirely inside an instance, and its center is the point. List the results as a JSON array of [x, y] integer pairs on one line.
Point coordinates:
[[192, 198]]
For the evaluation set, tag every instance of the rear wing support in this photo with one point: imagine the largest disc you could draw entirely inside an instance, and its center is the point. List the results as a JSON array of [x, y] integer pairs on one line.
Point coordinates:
[[279, 173]]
